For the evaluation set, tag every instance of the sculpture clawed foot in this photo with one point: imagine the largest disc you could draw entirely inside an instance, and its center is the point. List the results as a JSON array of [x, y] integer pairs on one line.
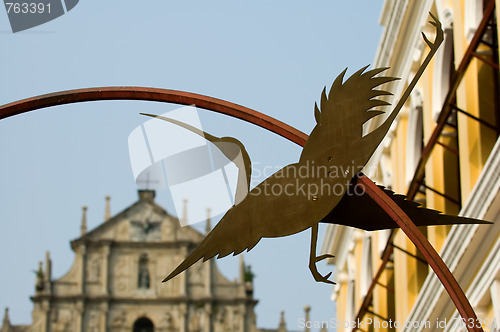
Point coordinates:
[[321, 257], [314, 271], [439, 33], [317, 276], [313, 259]]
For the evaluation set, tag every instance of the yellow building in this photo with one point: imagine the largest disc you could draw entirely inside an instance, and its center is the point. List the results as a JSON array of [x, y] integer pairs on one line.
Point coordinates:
[[442, 151]]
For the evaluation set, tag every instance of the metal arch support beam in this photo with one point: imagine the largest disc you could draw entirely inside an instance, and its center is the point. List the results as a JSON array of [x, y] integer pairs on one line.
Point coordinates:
[[217, 105], [434, 260], [158, 95], [446, 109]]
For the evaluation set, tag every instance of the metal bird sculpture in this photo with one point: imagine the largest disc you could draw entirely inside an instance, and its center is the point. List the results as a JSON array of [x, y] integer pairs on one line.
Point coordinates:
[[315, 188], [230, 147]]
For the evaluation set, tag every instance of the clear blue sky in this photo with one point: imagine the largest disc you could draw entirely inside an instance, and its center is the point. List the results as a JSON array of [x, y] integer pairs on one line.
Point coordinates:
[[272, 56]]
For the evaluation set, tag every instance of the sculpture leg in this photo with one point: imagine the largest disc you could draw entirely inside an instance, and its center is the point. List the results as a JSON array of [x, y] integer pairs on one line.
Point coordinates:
[[313, 259]]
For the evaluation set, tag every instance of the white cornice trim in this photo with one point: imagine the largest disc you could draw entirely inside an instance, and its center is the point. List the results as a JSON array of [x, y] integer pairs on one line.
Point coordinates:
[[483, 281], [410, 34], [384, 13], [433, 300], [393, 16]]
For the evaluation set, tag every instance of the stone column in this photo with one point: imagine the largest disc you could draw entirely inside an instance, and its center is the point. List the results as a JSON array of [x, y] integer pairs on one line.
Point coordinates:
[[45, 306], [183, 317], [83, 267], [249, 317], [80, 316], [307, 310], [241, 317], [208, 267], [105, 268], [208, 318], [282, 325], [183, 282], [48, 274], [104, 317], [242, 283]]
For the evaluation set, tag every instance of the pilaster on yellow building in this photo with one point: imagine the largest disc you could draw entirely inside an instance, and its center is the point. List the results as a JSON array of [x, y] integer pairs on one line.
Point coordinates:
[[443, 151]]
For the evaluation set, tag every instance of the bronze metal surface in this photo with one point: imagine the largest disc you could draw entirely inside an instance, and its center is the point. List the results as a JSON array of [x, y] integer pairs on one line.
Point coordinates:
[[303, 211], [334, 153], [372, 216]]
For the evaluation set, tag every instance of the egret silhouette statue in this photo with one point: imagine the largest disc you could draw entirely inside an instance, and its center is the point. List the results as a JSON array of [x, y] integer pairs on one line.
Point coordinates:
[[317, 188]]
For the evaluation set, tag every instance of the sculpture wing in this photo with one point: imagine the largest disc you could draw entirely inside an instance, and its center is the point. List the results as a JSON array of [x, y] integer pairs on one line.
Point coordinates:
[[263, 213], [353, 99], [230, 235], [340, 117]]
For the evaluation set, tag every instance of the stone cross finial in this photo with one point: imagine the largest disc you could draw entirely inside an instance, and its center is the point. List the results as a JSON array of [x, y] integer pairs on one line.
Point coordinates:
[[242, 269], [6, 320], [48, 266], [307, 309], [147, 195], [107, 210], [282, 326], [83, 227], [184, 212]]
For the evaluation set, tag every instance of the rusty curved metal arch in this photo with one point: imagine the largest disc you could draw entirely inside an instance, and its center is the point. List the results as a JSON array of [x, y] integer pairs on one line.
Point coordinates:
[[237, 111], [158, 95]]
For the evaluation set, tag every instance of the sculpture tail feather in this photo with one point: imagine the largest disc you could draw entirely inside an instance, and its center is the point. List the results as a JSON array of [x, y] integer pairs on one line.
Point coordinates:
[[362, 212], [222, 241]]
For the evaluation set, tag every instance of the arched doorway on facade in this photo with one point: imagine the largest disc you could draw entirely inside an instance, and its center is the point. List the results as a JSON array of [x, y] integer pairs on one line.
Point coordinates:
[[143, 324]]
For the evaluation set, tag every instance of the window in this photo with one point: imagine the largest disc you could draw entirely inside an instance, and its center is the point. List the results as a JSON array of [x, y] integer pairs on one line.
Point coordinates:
[[143, 324], [415, 138], [143, 273]]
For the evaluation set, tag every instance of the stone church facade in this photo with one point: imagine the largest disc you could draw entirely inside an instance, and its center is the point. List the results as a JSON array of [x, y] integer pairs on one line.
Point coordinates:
[[115, 281]]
